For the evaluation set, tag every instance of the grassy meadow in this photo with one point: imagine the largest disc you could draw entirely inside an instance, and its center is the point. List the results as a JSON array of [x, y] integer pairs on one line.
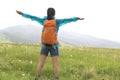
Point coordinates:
[[19, 62]]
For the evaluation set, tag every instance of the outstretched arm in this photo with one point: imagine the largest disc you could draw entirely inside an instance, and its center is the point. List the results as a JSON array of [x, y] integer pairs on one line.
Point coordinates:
[[34, 18], [61, 22]]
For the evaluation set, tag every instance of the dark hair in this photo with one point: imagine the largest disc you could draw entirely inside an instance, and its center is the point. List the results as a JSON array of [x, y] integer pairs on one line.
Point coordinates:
[[50, 13]]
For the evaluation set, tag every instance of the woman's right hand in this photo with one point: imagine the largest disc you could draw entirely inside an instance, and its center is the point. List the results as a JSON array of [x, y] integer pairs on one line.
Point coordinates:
[[19, 12], [80, 18]]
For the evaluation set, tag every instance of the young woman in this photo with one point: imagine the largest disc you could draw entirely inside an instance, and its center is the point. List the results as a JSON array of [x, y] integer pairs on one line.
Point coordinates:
[[53, 49]]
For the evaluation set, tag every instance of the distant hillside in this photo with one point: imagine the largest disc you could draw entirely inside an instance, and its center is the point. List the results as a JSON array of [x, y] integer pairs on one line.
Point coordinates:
[[3, 39], [23, 34], [31, 34]]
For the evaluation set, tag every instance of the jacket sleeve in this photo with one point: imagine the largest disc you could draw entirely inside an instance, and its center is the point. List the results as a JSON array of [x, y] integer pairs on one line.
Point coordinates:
[[61, 22], [33, 18]]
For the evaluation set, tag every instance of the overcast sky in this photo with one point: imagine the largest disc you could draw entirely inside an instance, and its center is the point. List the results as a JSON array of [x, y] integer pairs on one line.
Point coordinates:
[[102, 17]]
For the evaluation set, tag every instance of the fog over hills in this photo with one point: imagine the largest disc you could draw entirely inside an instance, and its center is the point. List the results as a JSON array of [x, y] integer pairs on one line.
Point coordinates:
[[31, 34], [3, 39]]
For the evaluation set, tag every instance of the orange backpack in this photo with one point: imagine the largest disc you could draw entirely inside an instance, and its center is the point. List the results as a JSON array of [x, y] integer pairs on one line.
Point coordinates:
[[49, 33]]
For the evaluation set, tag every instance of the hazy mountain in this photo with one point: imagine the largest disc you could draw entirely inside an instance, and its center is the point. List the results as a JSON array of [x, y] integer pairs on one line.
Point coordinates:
[[23, 34], [31, 34], [3, 39]]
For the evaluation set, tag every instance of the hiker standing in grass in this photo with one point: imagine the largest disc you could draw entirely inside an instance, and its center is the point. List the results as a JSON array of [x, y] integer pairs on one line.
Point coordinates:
[[49, 38]]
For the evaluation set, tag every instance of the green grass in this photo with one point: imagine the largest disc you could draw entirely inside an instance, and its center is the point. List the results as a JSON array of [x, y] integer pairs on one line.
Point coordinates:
[[19, 62]]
